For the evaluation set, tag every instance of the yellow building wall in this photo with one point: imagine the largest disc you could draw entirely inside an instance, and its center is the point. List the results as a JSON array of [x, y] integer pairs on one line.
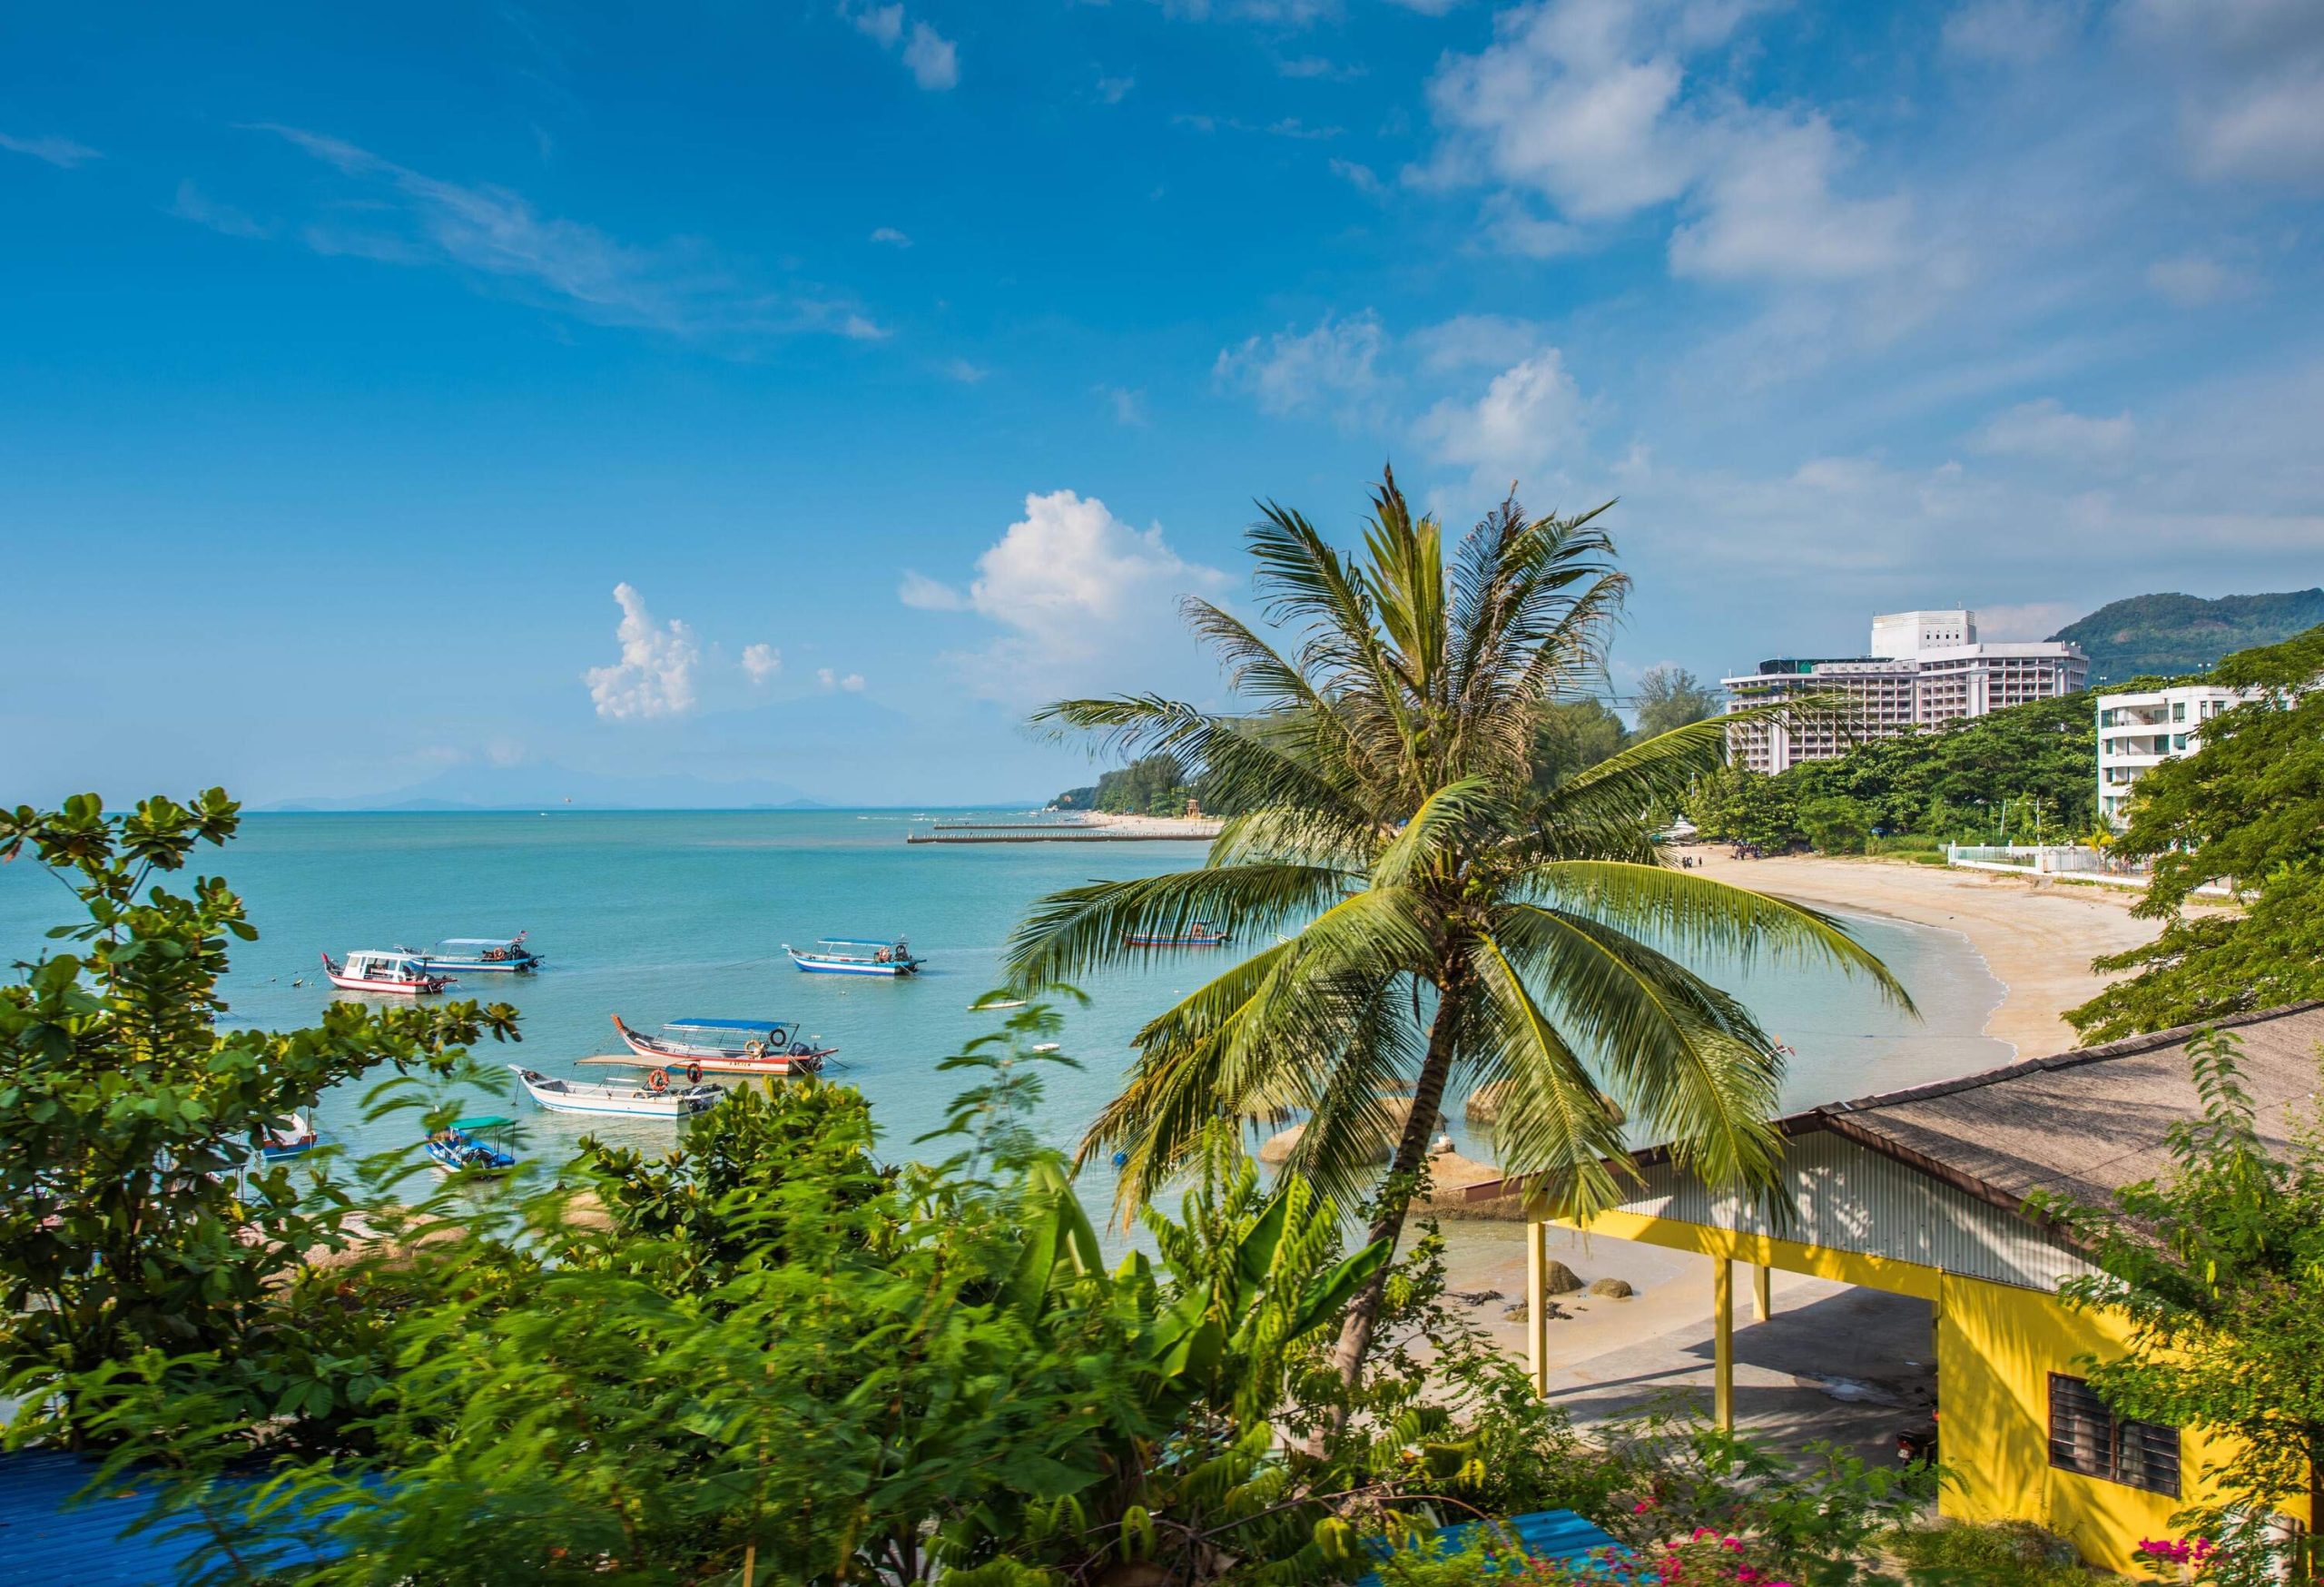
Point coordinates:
[[1996, 1347]]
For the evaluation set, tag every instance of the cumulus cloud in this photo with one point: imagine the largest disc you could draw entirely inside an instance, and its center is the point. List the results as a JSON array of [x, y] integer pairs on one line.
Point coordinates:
[[1466, 341], [760, 662], [933, 60], [1331, 369], [2048, 431], [655, 676], [891, 237], [1587, 105], [2016, 32], [2250, 78], [1084, 599], [828, 679], [1528, 416]]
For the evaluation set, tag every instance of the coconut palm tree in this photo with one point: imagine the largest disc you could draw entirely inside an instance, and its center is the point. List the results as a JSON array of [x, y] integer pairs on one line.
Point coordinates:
[[1441, 921]]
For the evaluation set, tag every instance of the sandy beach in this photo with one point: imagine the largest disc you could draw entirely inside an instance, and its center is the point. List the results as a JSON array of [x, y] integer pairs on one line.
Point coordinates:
[[2037, 937]]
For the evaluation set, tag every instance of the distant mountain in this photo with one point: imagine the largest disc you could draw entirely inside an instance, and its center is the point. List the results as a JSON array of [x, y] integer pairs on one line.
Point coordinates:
[[2170, 634], [552, 787]]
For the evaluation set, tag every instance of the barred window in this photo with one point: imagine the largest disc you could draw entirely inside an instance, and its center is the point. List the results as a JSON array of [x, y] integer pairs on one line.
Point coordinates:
[[2087, 1437]]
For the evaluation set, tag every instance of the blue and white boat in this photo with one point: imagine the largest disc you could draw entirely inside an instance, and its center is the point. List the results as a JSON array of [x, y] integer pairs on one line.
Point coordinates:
[[292, 1136], [855, 956], [655, 1099], [482, 956], [467, 1145]]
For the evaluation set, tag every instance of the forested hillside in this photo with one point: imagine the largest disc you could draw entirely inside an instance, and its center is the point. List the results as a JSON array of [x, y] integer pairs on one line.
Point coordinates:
[[2172, 634]]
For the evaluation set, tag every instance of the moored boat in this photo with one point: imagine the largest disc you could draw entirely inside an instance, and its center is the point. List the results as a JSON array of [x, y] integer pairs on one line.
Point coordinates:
[[467, 1145], [397, 970], [291, 1135], [656, 1098], [844, 956], [482, 956], [726, 1047], [1201, 934]]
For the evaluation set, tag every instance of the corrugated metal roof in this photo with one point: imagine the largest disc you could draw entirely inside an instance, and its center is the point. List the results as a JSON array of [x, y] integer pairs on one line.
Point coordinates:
[[46, 1538]]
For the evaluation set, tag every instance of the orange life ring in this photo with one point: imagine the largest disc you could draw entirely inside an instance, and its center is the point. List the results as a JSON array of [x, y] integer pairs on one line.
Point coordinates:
[[657, 1080]]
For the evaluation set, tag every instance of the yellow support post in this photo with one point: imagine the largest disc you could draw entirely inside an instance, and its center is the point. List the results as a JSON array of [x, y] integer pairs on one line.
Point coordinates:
[[1537, 1305], [1722, 1302], [1763, 1305]]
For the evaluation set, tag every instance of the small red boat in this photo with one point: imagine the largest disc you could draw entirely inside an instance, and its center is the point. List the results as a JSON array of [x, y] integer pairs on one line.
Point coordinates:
[[399, 971]]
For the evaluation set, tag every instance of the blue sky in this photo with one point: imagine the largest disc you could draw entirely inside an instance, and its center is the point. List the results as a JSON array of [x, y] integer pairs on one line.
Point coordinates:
[[802, 392]]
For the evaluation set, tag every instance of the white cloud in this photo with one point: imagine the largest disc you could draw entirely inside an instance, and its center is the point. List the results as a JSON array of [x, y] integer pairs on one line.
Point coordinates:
[[1086, 600], [928, 595], [828, 679], [2026, 619], [192, 205], [883, 24], [61, 152], [1318, 67], [760, 662], [2014, 32], [2251, 75], [1361, 178], [1129, 406], [1113, 90], [933, 59], [965, 373], [655, 676], [2048, 431], [1332, 368], [406, 217], [1528, 414], [1428, 8], [1586, 104], [891, 237]]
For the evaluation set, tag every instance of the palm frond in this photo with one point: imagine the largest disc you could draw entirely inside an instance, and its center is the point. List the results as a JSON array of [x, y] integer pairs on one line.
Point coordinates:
[[1431, 838], [1078, 929], [1552, 1119], [1686, 912]]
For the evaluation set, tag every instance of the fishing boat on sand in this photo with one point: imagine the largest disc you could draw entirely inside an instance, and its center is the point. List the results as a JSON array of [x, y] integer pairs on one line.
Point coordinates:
[[397, 971], [844, 956], [724, 1047], [656, 1098], [482, 956], [472, 1147], [1201, 934]]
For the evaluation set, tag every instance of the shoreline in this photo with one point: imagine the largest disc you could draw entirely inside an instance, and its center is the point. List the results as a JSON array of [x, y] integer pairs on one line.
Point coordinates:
[[2037, 938]]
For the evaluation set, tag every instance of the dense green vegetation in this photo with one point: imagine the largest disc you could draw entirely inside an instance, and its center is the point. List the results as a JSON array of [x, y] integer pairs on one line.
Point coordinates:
[[1150, 785], [2003, 777], [2170, 634], [766, 1357], [2246, 809], [1426, 913]]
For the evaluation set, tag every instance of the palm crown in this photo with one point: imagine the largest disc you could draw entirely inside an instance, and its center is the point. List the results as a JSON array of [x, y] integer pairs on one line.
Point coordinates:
[[1441, 921]]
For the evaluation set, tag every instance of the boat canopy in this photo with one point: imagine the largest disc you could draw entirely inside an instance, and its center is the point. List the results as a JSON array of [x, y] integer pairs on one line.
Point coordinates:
[[482, 1121], [481, 942], [727, 1024], [859, 941]]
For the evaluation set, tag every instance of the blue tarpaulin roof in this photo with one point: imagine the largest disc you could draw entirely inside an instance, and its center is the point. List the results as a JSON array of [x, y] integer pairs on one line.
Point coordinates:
[[1544, 1534], [477, 942], [45, 1538], [855, 941], [725, 1024]]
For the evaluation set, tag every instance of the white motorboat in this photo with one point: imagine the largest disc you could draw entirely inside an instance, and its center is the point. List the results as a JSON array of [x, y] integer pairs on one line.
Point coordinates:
[[653, 1097]]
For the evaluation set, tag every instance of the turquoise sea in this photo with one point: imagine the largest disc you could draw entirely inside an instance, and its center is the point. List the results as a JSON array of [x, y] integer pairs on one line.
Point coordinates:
[[657, 916]]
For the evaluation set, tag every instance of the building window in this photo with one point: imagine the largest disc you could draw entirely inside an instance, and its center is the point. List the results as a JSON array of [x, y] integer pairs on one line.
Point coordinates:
[[2086, 1437]]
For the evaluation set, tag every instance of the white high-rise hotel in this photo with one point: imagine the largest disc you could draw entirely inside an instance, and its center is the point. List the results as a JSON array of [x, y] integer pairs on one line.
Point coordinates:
[[1925, 668]]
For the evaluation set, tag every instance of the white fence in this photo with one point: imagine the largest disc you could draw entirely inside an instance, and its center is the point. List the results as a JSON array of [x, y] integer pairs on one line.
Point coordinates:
[[2073, 860]]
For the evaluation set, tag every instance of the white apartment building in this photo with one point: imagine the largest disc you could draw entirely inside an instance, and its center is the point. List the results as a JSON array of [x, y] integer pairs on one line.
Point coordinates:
[[1924, 669], [2139, 731]]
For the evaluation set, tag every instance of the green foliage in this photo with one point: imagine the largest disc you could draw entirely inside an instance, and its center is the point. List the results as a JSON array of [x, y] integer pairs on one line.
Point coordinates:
[[2008, 1553], [1425, 909], [1975, 779], [2219, 1268], [1836, 825], [1149, 785], [1574, 735], [2172, 635], [2247, 808], [1671, 698], [1735, 804], [132, 1215]]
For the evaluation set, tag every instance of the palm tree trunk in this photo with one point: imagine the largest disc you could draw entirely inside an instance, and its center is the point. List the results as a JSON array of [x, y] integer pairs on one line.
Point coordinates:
[[1404, 1175]]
